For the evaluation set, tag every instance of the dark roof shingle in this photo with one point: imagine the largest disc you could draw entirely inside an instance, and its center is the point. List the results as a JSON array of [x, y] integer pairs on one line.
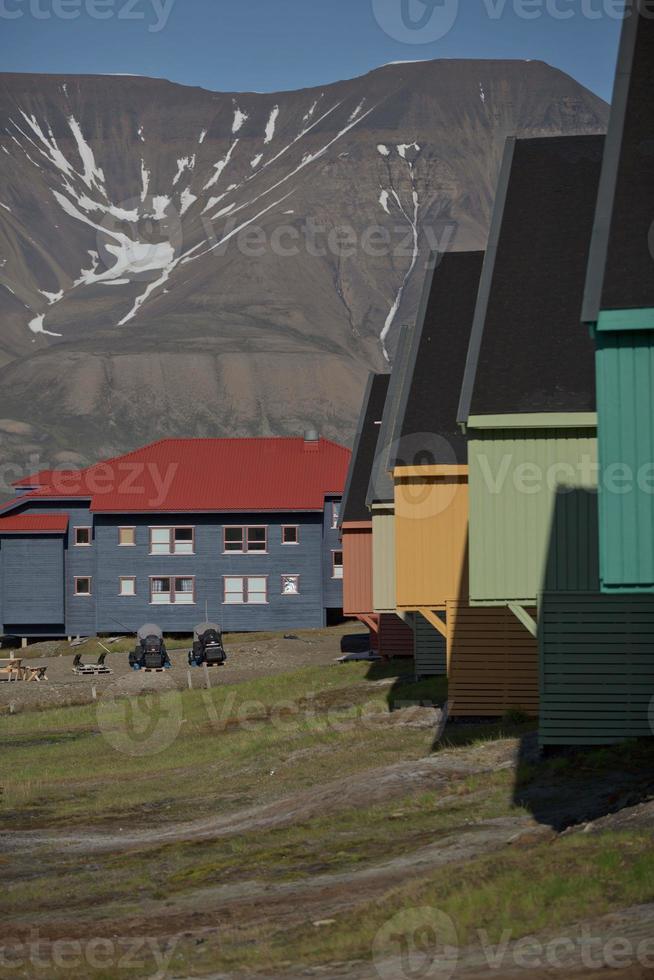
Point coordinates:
[[432, 384], [527, 351], [621, 267], [354, 499]]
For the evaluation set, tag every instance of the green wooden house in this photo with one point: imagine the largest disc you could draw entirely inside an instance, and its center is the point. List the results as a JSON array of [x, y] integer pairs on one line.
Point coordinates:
[[528, 395], [619, 308]]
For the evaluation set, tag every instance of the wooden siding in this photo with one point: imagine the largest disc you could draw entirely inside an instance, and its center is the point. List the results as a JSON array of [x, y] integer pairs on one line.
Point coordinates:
[[332, 588], [33, 580], [105, 561], [431, 534], [492, 662], [383, 559], [429, 649], [395, 636], [209, 565], [625, 410], [514, 476], [596, 668], [357, 570]]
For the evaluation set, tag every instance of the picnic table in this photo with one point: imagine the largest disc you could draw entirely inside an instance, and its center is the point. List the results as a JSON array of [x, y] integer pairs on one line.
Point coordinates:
[[11, 668]]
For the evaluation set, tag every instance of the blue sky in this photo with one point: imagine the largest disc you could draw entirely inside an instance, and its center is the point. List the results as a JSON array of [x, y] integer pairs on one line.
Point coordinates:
[[268, 45]]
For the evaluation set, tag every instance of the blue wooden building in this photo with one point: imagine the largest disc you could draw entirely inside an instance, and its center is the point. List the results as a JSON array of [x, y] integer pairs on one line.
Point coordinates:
[[243, 532]]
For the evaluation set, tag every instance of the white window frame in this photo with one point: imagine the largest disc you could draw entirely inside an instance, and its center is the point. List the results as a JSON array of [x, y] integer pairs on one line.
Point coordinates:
[[291, 544], [83, 578], [245, 549], [336, 513], [337, 551], [245, 590], [171, 529], [127, 544], [172, 592], [83, 527], [297, 579], [126, 578]]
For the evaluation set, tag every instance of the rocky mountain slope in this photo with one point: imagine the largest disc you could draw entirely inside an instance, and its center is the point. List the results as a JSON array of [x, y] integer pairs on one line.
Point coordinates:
[[175, 261]]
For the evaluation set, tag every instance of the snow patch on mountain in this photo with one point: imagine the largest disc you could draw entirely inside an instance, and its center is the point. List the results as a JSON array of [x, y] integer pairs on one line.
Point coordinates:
[[184, 163], [383, 150], [403, 147], [92, 174], [270, 125], [145, 180], [160, 204], [36, 326], [220, 166], [239, 118], [186, 199], [52, 297]]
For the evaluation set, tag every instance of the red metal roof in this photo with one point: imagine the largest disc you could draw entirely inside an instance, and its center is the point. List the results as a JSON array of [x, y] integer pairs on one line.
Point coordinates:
[[180, 475], [40, 479], [34, 524]]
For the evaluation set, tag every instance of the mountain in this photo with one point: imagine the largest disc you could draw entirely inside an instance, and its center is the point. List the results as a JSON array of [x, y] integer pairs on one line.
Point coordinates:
[[175, 261]]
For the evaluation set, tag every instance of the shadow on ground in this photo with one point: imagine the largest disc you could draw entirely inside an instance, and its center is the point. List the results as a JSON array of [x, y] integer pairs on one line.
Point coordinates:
[[579, 786]]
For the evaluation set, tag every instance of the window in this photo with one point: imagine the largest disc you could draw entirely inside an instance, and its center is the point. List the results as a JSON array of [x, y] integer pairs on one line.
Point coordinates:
[[127, 585], [169, 591], [172, 541], [337, 564], [290, 584], [83, 537], [245, 539], [290, 534], [246, 589], [83, 585], [336, 510], [126, 536]]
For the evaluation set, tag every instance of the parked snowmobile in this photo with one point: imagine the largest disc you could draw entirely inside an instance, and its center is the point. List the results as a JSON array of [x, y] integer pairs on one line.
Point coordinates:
[[207, 646], [150, 652]]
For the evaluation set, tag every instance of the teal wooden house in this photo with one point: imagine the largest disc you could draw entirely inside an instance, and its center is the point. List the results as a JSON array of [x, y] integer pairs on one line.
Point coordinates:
[[619, 308]]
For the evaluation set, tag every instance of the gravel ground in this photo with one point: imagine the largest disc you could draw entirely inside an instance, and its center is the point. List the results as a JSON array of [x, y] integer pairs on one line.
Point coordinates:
[[257, 655]]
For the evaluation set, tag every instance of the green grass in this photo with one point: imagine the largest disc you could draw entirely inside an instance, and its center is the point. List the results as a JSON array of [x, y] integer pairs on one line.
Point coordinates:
[[239, 746], [58, 767], [336, 842]]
